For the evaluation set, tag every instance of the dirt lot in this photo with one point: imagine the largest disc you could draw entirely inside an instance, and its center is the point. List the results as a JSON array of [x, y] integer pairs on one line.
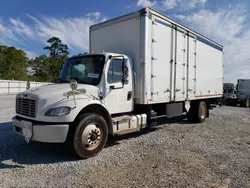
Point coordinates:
[[176, 154]]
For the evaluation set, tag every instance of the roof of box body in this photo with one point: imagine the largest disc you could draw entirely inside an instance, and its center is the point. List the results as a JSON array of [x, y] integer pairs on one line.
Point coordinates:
[[106, 54], [144, 11]]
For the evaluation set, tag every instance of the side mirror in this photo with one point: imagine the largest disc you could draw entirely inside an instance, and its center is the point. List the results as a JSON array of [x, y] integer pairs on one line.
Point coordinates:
[[125, 73]]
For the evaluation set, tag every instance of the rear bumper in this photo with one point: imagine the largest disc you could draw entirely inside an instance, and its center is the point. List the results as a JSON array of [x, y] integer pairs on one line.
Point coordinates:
[[42, 133]]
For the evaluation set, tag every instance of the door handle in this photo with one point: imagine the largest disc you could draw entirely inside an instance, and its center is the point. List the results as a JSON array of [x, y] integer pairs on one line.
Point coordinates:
[[129, 95]]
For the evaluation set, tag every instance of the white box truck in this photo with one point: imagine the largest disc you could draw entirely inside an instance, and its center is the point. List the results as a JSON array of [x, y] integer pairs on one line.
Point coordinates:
[[140, 67]]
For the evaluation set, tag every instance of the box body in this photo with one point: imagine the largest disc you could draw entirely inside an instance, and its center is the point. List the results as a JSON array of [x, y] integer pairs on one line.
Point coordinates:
[[170, 61]]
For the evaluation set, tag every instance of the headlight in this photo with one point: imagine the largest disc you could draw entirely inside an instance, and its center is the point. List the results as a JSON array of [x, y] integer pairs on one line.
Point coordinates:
[[58, 111]]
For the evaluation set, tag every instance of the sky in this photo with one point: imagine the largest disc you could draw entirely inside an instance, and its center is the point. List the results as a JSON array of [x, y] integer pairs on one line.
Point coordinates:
[[28, 24]]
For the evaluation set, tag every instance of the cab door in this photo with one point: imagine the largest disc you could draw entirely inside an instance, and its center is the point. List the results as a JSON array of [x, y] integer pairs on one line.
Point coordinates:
[[119, 93]]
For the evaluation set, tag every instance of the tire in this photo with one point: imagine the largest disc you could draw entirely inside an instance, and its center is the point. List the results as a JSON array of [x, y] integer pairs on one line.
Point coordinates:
[[90, 136], [197, 112], [201, 112]]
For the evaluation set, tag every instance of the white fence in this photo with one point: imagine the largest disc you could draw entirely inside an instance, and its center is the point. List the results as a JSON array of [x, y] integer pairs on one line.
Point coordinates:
[[12, 87]]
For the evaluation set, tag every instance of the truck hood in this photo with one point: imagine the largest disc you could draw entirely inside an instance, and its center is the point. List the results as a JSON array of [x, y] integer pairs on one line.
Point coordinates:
[[58, 90], [53, 95]]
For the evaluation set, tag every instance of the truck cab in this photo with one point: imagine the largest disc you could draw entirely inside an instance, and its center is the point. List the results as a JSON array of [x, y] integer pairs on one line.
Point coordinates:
[[91, 89]]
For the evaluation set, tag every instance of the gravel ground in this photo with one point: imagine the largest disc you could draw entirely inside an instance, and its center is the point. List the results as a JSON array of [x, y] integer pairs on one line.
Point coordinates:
[[176, 154]]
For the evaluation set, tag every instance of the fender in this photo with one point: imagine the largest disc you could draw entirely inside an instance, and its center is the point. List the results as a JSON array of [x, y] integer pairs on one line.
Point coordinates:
[[100, 110]]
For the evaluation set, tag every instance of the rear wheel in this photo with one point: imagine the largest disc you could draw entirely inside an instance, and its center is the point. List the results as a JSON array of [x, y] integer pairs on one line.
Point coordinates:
[[197, 112], [202, 112], [90, 135]]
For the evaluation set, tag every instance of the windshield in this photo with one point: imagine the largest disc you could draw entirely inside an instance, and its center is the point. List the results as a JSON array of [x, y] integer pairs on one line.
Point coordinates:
[[84, 69]]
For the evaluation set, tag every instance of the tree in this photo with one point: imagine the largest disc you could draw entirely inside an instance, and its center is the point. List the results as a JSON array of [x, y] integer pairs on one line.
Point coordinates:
[[41, 68], [3, 50], [56, 48], [58, 54], [12, 63]]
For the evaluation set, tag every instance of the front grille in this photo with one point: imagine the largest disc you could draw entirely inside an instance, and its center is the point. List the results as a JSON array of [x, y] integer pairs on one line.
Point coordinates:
[[26, 106]]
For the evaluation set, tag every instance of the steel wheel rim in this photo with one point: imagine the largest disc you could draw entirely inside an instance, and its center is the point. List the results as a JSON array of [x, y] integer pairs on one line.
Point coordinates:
[[92, 136], [202, 111]]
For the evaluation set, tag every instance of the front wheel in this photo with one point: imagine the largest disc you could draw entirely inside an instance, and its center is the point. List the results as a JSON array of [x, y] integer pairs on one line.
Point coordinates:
[[90, 135]]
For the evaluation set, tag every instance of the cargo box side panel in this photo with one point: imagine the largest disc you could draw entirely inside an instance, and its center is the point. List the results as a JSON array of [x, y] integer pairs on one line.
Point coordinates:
[[161, 61], [180, 65], [146, 59], [209, 69], [122, 37], [191, 65]]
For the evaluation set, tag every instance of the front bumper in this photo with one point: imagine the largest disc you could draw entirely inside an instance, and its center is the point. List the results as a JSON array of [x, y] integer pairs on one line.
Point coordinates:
[[42, 133]]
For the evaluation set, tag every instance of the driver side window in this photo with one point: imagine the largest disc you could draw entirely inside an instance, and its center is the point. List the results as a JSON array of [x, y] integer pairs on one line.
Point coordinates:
[[115, 71]]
